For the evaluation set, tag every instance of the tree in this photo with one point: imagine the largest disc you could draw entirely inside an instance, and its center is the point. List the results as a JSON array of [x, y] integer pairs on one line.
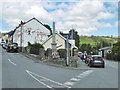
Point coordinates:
[[116, 51], [77, 40], [115, 54], [48, 27], [86, 47]]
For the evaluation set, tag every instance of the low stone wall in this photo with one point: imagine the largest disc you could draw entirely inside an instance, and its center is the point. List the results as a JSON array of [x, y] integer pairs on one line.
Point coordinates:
[[40, 52], [47, 57]]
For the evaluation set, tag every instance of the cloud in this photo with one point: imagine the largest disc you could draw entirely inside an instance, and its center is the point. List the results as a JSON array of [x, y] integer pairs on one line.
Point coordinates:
[[105, 15], [82, 15]]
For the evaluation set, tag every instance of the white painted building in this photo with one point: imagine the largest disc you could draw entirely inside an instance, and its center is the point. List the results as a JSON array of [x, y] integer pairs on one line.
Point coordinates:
[[31, 31], [5, 37], [103, 51], [60, 40]]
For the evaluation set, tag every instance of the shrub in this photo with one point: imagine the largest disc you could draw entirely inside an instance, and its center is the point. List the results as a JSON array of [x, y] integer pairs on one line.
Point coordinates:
[[109, 56], [34, 48], [35, 45], [62, 53]]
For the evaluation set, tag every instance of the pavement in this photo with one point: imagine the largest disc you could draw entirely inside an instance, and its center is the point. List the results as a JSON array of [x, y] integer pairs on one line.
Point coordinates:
[[19, 71]]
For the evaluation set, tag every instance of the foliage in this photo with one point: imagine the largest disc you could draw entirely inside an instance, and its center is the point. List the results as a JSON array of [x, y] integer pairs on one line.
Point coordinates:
[[98, 40], [77, 40], [62, 53], [35, 45], [116, 51], [115, 54], [48, 27], [86, 47]]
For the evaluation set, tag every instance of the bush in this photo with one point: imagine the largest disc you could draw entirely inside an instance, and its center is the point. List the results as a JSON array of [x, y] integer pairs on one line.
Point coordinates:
[[62, 53], [109, 56], [35, 45], [34, 48]]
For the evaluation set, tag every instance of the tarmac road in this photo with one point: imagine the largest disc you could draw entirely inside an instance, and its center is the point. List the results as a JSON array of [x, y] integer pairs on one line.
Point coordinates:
[[19, 71]]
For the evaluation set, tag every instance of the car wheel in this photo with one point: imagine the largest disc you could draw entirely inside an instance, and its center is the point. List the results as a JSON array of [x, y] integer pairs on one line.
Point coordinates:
[[7, 50], [90, 65], [103, 66]]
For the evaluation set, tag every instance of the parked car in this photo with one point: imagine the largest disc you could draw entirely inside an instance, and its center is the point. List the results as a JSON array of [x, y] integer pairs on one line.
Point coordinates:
[[96, 60], [5, 45], [2, 43], [87, 59], [12, 47]]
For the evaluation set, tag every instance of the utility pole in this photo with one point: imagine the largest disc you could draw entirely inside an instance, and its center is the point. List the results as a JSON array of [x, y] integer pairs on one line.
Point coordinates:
[[21, 37], [67, 52], [71, 47]]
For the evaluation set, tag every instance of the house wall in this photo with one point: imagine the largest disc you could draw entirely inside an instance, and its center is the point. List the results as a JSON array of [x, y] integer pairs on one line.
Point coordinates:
[[5, 38], [60, 42], [32, 32], [17, 36]]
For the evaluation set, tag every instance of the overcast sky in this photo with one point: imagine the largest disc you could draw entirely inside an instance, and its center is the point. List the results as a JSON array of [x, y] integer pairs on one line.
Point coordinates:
[[88, 17]]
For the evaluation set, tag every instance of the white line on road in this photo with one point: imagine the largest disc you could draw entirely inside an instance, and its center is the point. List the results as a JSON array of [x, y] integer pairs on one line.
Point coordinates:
[[69, 83], [11, 62], [77, 78], [74, 79], [38, 80], [31, 74]]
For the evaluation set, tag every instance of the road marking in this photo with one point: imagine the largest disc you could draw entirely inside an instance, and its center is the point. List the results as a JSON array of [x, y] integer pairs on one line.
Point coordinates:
[[31, 74], [11, 62], [77, 78], [69, 83], [38, 80], [74, 79], [84, 74]]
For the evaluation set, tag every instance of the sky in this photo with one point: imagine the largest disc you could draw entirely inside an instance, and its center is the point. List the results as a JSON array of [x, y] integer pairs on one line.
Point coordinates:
[[87, 17]]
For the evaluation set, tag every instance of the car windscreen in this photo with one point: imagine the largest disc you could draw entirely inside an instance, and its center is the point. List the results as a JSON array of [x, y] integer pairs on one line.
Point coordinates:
[[97, 58], [2, 42], [15, 44]]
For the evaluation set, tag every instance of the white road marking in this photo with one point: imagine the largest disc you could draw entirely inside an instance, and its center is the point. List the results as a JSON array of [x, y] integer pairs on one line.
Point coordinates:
[[39, 80], [46, 79], [74, 79], [86, 73], [69, 83], [11, 62], [77, 78]]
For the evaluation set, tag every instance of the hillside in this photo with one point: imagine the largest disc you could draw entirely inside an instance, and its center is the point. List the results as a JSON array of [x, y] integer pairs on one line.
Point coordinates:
[[93, 40]]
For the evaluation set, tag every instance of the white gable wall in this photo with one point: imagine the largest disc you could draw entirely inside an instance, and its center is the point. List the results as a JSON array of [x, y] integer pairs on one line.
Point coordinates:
[[38, 33], [17, 36], [60, 42]]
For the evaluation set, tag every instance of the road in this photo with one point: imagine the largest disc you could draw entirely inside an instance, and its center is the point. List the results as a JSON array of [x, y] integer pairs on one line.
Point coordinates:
[[19, 71]]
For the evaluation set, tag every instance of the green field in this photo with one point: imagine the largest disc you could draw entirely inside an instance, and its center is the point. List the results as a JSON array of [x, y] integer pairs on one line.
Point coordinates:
[[96, 39]]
